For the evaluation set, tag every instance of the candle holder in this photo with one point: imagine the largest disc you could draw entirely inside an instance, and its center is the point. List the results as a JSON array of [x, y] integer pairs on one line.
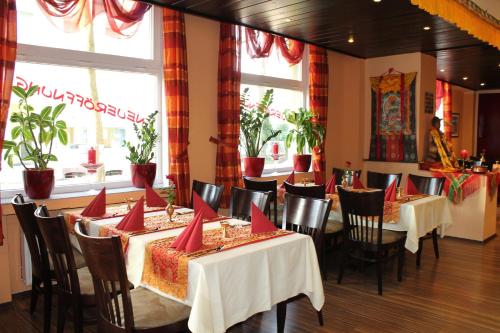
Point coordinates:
[[170, 211]]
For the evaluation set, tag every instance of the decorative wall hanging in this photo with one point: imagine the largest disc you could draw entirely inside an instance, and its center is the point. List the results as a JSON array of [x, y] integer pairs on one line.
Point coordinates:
[[393, 130]]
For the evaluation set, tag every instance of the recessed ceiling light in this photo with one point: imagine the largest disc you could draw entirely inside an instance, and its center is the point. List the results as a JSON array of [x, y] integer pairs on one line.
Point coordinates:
[[377, 0], [288, 20], [427, 28], [441, 70], [465, 78], [482, 84], [351, 39]]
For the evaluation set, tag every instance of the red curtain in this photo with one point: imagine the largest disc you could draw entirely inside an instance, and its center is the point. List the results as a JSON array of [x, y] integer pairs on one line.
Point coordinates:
[[291, 50], [8, 47], [318, 98], [175, 73], [228, 165], [447, 110], [121, 14], [439, 93], [254, 49]]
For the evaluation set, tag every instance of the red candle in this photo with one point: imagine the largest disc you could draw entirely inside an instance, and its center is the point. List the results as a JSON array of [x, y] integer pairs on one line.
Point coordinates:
[[275, 148], [91, 154]]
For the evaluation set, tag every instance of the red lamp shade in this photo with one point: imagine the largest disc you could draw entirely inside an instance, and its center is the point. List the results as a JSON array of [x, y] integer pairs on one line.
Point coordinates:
[[464, 154]]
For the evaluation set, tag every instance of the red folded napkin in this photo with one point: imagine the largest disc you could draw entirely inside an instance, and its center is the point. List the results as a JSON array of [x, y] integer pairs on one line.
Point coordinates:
[[199, 204], [356, 183], [191, 239], [260, 222], [96, 207], [410, 187], [330, 186], [318, 178], [390, 192], [134, 220], [153, 199], [290, 179]]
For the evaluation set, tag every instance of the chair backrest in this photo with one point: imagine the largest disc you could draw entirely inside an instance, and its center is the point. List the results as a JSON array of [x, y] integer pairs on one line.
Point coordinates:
[[382, 180], [307, 216], [310, 191], [104, 257], [263, 186], [25, 212], [56, 237], [240, 204], [428, 185], [210, 193], [339, 173], [361, 212]]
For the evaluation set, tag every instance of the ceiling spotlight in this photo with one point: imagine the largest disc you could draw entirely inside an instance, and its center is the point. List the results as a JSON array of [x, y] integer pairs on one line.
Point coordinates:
[[465, 78], [426, 28], [351, 39], [377, 0], [288, 20], [441, 70], [482, 84]]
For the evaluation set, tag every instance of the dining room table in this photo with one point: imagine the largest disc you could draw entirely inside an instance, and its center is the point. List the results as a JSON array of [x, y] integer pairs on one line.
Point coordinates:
[[223, 285]]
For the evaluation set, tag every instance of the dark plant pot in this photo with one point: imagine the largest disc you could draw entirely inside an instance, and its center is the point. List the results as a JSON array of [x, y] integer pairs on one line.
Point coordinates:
[[253, 166], [38, 184], [301, 163], [143, 174]]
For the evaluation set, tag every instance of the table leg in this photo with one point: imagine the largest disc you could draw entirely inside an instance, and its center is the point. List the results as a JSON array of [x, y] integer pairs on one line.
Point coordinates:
[[281, 316]]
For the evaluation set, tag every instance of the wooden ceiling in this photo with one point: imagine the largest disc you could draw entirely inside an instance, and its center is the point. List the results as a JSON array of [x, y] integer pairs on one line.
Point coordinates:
[[379, 29]]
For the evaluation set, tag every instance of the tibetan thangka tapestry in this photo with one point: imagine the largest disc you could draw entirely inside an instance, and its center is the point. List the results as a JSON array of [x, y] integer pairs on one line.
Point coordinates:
[[393, 136]]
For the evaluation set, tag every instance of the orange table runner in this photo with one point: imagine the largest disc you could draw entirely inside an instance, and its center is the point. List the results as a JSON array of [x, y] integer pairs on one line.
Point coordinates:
[[70, 216], [166, 268], [391, 209], [152, 224]]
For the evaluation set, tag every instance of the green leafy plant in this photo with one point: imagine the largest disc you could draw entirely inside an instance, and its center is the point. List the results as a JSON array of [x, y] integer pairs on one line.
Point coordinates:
[[33, 133], [252, 118], [143, 153], [170, 192], [306, 130]]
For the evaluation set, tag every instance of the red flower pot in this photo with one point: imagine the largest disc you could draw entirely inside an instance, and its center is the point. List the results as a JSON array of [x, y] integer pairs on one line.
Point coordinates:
[[38, 184], [253, 166], [301, 163], [143, 174]]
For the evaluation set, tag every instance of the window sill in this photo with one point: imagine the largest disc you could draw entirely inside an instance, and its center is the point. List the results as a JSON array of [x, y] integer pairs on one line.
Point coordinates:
[[63, 201]]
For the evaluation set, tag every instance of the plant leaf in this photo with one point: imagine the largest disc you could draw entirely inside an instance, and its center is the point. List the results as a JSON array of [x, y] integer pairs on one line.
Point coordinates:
[[19, 92], [63, 136], [57, 110]]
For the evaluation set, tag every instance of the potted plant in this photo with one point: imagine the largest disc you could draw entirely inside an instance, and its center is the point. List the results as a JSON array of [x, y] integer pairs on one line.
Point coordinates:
[[252, 118], [32, 139], [306, 130], [140, 155]]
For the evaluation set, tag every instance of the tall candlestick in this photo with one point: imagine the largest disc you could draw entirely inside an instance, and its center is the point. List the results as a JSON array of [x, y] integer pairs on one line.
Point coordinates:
[[91, 155], [275, 148]]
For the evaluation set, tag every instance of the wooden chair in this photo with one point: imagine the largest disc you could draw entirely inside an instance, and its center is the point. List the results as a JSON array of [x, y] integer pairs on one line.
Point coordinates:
[[382, 180], [265, 186], [240, 204], [339, 173], [118, 308], [74, 286], [313, 191], [431, 186], [307, 216], [364, 238], [42, 275], [210, 193]]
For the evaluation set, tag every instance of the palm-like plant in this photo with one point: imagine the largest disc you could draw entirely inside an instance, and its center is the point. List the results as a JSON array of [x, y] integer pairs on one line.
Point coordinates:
[[34, 133], [252, 119], [143, 153], [306, 130]]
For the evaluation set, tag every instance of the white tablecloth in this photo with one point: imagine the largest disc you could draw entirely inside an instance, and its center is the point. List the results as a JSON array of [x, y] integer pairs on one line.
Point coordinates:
[[417, 218], [230, 286]]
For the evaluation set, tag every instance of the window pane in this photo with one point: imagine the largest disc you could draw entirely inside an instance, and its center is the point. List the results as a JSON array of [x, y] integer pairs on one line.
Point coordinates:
[[35, 28], [101, 108], [274, 65], [284, 99]]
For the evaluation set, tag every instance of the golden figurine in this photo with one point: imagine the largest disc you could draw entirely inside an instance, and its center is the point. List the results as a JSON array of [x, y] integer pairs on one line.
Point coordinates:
[[170, 211]]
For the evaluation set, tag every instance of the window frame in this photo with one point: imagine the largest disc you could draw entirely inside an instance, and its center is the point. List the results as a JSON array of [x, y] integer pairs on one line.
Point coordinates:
[[280, 83], [44, 55]]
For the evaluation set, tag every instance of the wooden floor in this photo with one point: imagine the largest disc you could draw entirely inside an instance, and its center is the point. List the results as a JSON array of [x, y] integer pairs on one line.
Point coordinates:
[[460, 292]]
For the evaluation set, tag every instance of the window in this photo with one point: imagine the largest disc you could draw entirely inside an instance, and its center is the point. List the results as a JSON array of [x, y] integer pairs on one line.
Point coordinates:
[[107, 83], [290, 87], [439, 113]]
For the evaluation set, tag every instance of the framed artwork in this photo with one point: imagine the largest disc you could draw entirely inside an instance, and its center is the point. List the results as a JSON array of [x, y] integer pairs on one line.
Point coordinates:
[[429, 102], [455, 122]]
